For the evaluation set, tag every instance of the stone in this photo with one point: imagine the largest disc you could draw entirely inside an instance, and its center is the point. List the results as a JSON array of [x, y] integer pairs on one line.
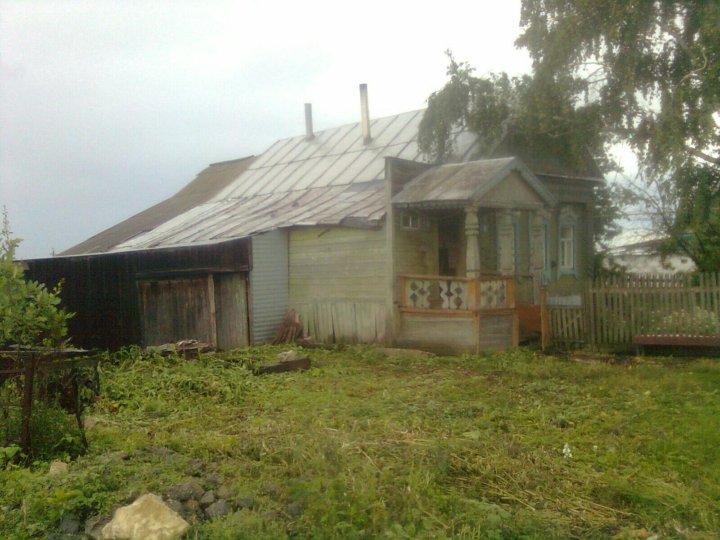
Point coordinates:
[[287, 356], [148, 518], [191, 506], [271, 490], [213, 480], [207, 499], [57, 468], [295, 509], [70, 524], [217, 509], [188, 490], [94, 526], [224, 492], [245, 502], [175, 506]]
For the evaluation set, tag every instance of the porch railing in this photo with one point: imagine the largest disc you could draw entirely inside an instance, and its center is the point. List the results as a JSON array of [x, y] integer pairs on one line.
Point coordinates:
[[456, 294]]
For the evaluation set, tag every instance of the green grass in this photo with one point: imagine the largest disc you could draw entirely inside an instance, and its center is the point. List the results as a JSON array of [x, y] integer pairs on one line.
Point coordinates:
[[376, 447]]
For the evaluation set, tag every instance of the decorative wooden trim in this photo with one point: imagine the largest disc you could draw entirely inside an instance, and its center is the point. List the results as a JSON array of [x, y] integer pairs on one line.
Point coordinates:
[[442, 313]]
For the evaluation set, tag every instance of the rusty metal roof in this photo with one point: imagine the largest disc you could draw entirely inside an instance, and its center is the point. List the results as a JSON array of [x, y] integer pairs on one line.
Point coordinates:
[[461, 183], [331, 179]]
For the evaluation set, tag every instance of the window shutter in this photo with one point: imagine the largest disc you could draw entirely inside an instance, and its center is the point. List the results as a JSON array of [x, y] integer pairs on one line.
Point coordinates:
[[537, 243], [506, 243]]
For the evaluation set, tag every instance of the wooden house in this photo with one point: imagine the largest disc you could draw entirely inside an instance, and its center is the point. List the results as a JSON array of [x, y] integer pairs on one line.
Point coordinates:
[[352, 228]]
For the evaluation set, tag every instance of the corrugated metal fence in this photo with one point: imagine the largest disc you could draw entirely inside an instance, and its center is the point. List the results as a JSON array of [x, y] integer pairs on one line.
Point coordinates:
[[617, 308]]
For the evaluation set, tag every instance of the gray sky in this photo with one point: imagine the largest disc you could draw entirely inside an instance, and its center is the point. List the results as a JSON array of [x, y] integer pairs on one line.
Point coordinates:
[[108, 107]]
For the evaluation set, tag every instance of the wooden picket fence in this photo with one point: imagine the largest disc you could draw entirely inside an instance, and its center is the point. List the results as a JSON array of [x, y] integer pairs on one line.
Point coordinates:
[[619, 307]]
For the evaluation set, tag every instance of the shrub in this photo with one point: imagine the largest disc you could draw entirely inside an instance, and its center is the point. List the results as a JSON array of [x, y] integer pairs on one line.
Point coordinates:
[[697, 322]]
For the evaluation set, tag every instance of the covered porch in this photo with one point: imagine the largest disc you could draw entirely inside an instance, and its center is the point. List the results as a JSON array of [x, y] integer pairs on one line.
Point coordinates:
[[484, 229]]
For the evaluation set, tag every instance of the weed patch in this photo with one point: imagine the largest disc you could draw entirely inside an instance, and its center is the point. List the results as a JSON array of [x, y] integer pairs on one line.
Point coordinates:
[[363, 445]]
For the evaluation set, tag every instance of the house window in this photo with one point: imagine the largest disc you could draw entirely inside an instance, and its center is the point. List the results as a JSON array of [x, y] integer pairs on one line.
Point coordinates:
[[566, 247], [414, 220]]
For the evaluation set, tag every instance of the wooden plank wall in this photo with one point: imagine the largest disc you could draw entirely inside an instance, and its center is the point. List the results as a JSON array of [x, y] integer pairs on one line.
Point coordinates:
[[337, 283], [102, 289], [617, 308], [175, 309]]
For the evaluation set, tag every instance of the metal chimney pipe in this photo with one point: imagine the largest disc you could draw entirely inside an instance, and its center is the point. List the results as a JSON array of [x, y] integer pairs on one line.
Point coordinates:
[[308, 122], [365, 114]]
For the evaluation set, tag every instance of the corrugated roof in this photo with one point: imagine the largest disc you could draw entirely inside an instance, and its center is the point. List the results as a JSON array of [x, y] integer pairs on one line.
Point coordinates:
[[461, 183], [331, 179], [208, 183]]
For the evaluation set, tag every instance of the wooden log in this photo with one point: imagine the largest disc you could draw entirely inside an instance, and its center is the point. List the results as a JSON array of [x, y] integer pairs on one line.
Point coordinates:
[[282, 367]]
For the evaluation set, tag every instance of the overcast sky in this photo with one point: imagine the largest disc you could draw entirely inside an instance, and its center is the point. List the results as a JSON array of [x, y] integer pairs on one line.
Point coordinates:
[[109, 107]]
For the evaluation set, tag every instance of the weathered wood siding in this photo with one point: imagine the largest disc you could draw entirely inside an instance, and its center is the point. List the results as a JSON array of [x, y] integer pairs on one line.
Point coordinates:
[[102, 290], [269, 284], [439, 334], [337, 282], [231, 313], [496, 332], [175, 309]]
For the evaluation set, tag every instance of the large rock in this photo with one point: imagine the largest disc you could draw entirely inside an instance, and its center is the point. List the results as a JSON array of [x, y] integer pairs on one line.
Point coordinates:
[[148, 518]]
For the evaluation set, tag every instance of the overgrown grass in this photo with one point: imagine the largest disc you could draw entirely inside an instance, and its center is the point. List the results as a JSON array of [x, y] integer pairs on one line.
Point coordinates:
[[398, 447]]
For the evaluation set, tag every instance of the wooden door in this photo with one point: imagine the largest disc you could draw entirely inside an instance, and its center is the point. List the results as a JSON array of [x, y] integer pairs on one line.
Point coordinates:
[[231, 311], [175, 309]]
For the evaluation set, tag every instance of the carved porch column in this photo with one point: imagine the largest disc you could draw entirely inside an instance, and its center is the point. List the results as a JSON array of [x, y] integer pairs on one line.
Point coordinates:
[[472, 236]]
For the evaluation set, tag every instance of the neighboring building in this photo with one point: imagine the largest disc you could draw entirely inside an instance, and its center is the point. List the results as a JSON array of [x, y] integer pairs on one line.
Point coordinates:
[[353, 229], [643, 257]]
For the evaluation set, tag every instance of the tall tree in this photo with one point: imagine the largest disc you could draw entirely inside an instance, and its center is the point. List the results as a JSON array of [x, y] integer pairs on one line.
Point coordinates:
[[541, 115], [652, 68]]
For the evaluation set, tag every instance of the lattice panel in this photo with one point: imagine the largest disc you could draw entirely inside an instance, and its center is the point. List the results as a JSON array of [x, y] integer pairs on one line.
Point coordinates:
[[493, 294], [453, 294], [418, 292]]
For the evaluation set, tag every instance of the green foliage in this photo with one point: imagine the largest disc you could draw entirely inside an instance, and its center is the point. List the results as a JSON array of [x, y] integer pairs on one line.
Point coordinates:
[[697, 322], [29, 313], [542, 116], [651, 69], [370, 446]]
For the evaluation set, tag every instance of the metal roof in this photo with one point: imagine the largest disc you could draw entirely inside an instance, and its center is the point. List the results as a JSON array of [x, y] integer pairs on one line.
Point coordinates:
[[461, 183], [208, 183], [331, 179]]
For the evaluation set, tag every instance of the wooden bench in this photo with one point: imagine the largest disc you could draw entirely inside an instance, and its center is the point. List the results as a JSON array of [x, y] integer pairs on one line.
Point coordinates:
[[694, 341]]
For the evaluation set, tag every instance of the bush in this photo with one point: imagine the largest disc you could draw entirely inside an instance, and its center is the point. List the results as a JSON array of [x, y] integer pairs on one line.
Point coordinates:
[[698, 322]]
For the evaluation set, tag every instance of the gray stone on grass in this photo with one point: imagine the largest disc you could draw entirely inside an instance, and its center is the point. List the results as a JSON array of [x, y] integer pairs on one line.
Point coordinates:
[[187, 490], [207, 499], [94, 526], [175, 506], [191, 506], [217, 509], [245, 502], [224, 492], [213, 480], [148, 518], [70, 524]]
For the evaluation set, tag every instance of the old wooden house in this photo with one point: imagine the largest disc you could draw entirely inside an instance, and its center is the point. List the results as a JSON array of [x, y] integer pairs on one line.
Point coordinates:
[[353, 229]]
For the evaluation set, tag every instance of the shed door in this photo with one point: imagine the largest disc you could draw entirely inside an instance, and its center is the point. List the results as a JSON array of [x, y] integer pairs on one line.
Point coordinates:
[[231, 310], [175, 309]]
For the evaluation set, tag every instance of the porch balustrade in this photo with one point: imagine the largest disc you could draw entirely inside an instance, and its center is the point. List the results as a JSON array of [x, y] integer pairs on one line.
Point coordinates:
[[456, 294]]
